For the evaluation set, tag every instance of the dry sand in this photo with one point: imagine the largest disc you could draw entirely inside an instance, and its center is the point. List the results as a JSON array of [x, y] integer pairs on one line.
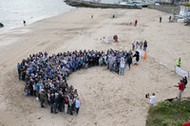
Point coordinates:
[[107, 99]]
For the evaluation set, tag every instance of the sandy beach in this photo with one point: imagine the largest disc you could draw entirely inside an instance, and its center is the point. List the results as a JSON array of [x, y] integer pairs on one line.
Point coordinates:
[[107, 99]]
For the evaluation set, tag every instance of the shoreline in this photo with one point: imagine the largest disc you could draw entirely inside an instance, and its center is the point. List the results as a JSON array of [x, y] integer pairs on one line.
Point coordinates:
[[8, 29], [106, 98], [24, 29]]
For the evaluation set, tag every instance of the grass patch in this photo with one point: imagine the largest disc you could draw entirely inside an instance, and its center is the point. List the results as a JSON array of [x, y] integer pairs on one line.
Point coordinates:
[[167, 113]]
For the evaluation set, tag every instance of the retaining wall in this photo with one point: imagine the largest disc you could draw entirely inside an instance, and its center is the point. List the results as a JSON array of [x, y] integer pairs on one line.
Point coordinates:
[[172, 9]]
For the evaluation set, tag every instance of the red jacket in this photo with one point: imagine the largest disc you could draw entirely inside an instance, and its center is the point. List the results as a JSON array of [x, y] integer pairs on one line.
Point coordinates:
[[186, 124], [181, 86], [136, 21]]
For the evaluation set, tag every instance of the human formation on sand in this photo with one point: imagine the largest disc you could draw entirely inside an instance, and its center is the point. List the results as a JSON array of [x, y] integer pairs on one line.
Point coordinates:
[[46, 76]]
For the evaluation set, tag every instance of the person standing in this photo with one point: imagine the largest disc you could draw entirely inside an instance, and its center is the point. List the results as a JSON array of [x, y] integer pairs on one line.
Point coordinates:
[[71, 101], [24, 22], [42, 98], [145, 45], [137, 44], [66, 103], [60, 101], [179, 62], [38, 88], [115, 37], [19, 71], [111, 62], [26, 89], [137, 57], [152, 99], [56, 100], [122, 66], [170, 19], [136, 23], [185, 81], [181, 88], [52, 102], [141, 45], [129, 60], [34, 89], [160, 19], [23, 73], [133, 46], [77, 105]]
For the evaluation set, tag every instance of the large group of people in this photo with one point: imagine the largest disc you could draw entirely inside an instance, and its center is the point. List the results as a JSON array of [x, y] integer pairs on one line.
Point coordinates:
[[46, 76]]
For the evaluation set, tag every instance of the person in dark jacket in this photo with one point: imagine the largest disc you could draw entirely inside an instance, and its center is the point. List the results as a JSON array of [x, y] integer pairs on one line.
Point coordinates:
[[160, 19], [129, 61], [60, 101], [115, 37], [19, 71], [185, 81], [23, 75], [52, 102], [24, 22], [137, 57], [145, 45]]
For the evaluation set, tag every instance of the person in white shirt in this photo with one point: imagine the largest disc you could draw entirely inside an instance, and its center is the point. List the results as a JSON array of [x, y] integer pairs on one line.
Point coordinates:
[[122, 66], [152, 99], [105, 40], [34, 89], [77, 105]]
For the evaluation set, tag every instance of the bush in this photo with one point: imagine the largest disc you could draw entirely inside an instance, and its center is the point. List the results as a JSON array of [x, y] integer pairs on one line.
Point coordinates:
[[167, 113]]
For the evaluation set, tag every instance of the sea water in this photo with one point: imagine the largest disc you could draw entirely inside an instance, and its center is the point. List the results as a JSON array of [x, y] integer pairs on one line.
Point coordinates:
[[13, 12]]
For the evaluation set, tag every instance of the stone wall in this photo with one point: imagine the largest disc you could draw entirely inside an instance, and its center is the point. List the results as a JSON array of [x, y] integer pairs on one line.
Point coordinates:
[[172, 9]]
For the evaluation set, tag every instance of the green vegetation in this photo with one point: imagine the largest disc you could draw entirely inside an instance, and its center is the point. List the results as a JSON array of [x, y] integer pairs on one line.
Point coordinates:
[[167, 113]]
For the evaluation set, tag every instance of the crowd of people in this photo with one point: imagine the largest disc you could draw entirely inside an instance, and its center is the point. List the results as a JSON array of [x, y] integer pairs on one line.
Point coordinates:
[[46, 76], [139, 45]]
